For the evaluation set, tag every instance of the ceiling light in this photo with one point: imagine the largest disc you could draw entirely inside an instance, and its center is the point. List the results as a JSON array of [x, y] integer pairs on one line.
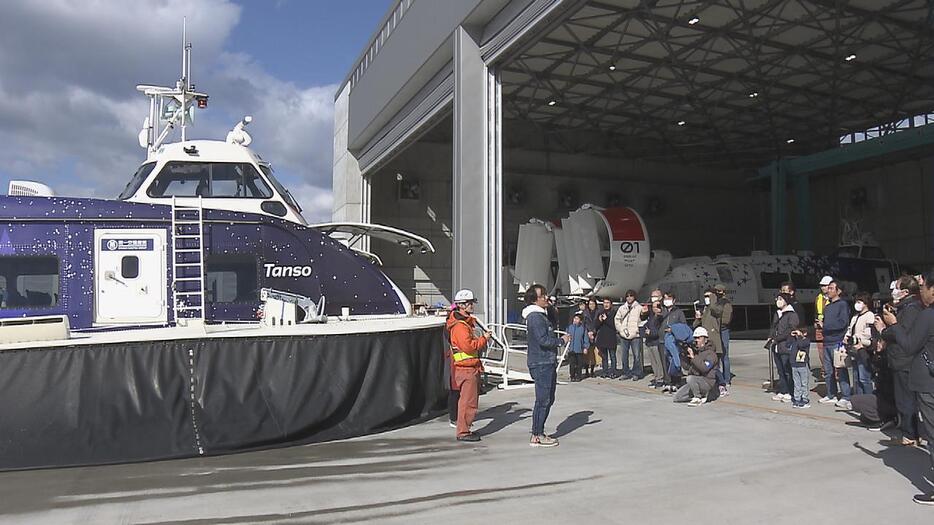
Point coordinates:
[[850, 58], [681, 122], [612, 67], [693, 20], [754, 94], [552, 102], [790, 141]]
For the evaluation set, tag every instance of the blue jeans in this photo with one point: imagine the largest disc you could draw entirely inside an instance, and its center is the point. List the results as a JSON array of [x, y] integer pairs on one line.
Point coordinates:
[[862, 383], [725, 362], [636, 346], [801, 375], [546, 379], [832, 375], [609, 360], [783, 370]]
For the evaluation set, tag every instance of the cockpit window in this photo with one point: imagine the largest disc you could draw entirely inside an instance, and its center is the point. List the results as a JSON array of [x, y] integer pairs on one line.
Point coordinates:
[[267, 170], [209, 180], [137, 181]]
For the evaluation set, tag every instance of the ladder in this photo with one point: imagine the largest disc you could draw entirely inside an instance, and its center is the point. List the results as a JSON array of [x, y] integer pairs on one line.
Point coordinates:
[[187, 236]]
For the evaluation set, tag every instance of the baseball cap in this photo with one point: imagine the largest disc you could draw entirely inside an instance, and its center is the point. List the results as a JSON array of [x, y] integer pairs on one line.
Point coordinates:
[[719, 288], [700, 331], [825, 280], [464, 296]]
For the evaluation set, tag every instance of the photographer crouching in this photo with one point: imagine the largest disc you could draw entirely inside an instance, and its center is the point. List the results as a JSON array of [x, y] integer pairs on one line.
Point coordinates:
[[702, 371]]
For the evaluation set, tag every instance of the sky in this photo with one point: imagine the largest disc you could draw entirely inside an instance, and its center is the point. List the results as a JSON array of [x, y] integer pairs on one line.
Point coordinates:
[[70, 114]]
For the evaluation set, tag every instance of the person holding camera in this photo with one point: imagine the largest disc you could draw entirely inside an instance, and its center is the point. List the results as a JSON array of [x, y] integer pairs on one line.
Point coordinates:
[[906, 306], [654, 347], [858, 340], [722, 310], [786, 322], [918, 343], [702, 370], [672, 315], [605, 338], [834, 324], [627, 325]]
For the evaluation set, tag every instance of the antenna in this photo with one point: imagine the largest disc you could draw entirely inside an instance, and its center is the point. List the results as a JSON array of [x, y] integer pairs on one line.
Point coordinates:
[[171, 105]]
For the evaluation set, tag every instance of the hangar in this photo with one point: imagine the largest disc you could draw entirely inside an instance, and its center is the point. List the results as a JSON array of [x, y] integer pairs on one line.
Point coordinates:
[[729, 125]]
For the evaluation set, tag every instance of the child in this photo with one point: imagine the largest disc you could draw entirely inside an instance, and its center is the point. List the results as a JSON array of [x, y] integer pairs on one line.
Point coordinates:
[[580, 341], [800, 347]]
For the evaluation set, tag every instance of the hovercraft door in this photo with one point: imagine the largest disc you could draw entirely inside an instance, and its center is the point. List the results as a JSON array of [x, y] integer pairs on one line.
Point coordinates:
[[129, 276]]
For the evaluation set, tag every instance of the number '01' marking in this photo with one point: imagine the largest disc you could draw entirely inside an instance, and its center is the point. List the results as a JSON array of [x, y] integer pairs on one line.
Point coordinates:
[[629, 247]]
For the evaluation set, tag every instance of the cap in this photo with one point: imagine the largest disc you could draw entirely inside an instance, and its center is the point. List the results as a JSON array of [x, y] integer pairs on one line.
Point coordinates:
[[825, 280], [464, 296], [719, 288], [700, 331]]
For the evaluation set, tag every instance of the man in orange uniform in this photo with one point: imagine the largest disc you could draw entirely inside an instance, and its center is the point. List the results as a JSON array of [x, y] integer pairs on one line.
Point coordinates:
[[465, 361]]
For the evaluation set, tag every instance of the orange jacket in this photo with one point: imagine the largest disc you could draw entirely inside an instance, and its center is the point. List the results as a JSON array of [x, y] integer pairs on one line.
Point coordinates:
[[465, 346]]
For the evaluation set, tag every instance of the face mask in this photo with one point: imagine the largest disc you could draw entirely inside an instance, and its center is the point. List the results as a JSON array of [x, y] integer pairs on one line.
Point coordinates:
[[779, 304], [860, 306], [656, 298], [707, 300], [668, 302]]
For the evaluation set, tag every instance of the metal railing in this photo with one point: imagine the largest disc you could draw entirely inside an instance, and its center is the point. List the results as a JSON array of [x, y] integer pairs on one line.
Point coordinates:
[[505, 354]]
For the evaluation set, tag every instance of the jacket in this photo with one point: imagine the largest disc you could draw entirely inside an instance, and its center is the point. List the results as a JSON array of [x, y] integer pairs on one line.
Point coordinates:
[[705, 364], [465, 346], [590, 319], [627, 320], [580, 341], [671, 316], [800, 348], [722, 310], [605, 331], [712, 324], [786, 321], [650, 330], [541, 339], [819, 306], [915, 340], [860, 329], [799, 309], [907, 313], [836, 321]]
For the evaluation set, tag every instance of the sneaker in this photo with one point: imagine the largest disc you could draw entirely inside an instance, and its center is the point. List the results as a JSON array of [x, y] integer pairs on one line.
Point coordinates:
[[889, 424], [778, 397], [696, 402], [824, 400], [795, 404], [900, 442], [652, 384], [924, 499], [725, 390], [453, 424], [469, 437], [844, 404], [624, 377], [786, 398], [805, 405], [875, 427], [543, 441]]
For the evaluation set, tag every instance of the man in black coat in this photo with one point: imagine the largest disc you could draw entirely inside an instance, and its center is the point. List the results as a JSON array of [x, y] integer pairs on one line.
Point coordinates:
[[918, 343], [907, 308], [605, 337]]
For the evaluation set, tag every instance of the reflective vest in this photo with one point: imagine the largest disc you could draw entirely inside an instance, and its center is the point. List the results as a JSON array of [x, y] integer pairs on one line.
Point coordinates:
[[457, 356], [819, 305]]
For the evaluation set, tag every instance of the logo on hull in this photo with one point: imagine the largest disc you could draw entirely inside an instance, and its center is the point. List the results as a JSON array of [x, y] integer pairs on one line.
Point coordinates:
[[276, 270]]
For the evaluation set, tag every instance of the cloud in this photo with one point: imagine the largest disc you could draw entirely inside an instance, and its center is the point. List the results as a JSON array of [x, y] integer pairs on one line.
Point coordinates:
[[70, 114]]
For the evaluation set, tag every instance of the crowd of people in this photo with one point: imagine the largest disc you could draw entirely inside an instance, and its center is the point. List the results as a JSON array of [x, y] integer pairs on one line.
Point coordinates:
[[876, 360], [689, 361]]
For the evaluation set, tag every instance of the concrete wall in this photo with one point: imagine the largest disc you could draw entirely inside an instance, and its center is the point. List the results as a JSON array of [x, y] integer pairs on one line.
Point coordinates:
[[898, 210], [704, 212]]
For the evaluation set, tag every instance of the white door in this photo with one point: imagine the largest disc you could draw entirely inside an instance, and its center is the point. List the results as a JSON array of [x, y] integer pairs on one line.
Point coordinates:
[[129, 276]]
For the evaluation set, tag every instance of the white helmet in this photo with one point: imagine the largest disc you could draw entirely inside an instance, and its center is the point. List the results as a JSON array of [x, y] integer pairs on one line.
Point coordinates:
[[464, 296], [700, 331]]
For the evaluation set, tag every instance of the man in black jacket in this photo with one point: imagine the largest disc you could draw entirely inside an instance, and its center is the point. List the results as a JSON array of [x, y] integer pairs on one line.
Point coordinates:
[[918, 343], [907, 308], [605, 337]]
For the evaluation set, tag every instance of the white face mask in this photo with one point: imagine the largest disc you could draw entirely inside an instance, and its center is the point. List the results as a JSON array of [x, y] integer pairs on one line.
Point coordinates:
[[707, 300], [859, 306], [656, 298], [779, 304], [668, 302]]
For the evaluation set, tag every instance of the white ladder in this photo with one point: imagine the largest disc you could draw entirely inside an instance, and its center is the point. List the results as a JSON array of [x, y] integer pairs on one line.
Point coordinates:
[[187, 237]]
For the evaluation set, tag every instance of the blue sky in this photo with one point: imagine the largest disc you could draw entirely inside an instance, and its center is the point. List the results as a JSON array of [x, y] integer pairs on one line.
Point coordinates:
[[69, 113]]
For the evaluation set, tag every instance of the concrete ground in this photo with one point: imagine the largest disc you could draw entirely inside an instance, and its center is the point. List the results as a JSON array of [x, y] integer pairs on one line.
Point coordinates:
[[627, 455]]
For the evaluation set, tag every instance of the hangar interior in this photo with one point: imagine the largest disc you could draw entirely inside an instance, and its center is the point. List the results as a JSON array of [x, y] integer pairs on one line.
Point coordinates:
[[729, 125]]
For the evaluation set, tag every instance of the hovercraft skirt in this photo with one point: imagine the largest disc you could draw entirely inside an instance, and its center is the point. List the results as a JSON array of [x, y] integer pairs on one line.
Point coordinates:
[[137, 401]]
